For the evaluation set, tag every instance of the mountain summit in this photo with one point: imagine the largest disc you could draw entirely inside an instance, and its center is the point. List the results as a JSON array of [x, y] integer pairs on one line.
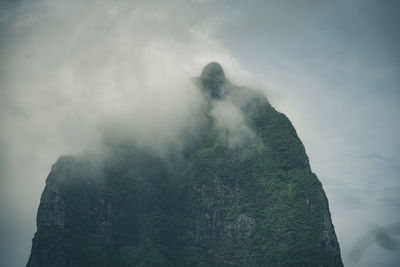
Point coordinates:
[[212, 78], [241, 193]]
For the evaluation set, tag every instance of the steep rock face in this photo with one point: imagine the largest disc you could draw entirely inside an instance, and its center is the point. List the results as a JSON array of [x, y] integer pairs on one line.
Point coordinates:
[[234, 197], [212, 78]]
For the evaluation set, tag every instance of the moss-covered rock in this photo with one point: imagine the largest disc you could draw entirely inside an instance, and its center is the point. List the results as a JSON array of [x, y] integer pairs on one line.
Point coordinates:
[[258, 204]]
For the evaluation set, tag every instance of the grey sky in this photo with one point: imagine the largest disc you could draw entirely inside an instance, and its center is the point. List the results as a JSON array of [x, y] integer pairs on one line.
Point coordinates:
[[336, 67], [71, 69]]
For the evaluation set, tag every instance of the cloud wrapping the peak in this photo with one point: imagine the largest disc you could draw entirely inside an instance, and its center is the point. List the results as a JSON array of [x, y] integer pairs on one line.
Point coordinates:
[[74, 71], [230, 124]]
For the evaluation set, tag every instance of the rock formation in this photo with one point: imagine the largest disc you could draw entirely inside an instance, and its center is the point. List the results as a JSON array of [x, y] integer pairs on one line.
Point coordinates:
[[216, 204]]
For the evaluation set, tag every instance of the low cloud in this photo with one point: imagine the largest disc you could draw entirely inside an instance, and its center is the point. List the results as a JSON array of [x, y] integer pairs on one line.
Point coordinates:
[[231, 125], [385, 237], [76, 73]]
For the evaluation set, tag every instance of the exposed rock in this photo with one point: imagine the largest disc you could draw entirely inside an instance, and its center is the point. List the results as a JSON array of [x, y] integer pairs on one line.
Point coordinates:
[[212, 78], [254, 205]]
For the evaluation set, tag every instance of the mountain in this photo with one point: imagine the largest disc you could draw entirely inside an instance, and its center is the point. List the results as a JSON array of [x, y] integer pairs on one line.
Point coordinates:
[[240, 193]]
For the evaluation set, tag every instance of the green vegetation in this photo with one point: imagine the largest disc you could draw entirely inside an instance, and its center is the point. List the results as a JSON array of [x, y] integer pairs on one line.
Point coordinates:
[[257, 205]]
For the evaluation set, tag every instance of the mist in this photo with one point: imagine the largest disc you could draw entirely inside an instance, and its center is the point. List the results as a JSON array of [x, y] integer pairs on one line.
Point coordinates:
[[384, 237], [74, 73], [231, 125]]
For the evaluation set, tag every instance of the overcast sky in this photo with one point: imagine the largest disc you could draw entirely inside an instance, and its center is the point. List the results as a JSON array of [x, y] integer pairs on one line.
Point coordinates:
[[68, 68]]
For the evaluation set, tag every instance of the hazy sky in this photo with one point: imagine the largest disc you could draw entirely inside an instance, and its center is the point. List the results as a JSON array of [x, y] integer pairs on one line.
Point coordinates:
[[71, 69]]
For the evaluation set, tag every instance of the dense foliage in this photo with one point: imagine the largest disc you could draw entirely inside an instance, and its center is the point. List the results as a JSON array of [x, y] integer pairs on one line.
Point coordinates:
[[258, 204]]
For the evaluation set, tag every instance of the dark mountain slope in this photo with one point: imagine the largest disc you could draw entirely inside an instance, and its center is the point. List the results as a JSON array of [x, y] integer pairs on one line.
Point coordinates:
[[240, 194]]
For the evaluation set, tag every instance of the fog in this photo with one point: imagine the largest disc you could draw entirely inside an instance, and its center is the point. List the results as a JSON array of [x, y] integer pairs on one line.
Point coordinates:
[[73, 72], [384, 237], [230, 120]]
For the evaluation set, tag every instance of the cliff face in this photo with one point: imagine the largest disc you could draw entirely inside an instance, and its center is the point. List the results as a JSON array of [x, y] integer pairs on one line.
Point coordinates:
[[241, 195]]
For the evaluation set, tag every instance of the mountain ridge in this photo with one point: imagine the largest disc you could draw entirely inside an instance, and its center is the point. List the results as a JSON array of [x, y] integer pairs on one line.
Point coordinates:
[[241, 193]]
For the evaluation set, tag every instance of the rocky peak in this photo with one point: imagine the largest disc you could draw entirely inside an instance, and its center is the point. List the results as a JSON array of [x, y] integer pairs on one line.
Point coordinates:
[[260, 205], [212, 78]]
